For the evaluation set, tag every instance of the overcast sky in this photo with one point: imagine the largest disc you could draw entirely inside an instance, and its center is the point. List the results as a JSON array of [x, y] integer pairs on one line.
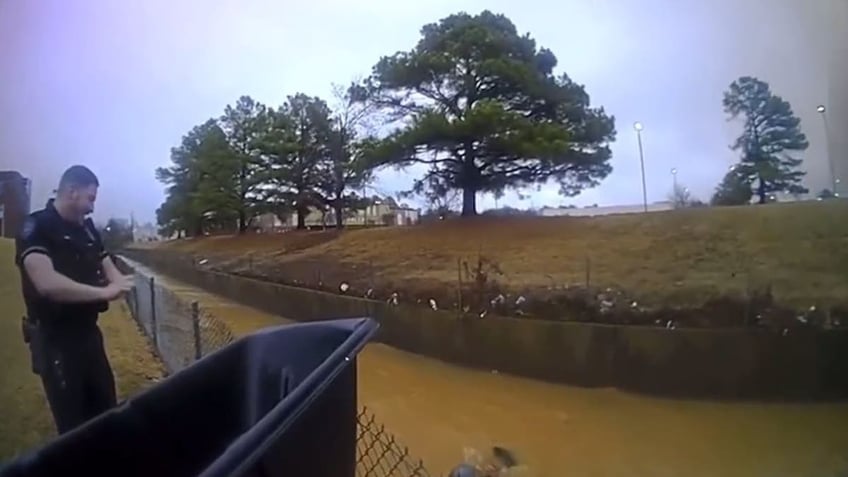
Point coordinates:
[[115, 84]]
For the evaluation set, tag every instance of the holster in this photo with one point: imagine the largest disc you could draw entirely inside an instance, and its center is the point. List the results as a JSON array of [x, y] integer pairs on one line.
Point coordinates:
[[34, 338], [101, 306]]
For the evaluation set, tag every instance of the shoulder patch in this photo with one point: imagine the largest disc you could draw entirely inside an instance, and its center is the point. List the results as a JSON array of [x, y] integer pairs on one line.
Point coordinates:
[[28, 228]]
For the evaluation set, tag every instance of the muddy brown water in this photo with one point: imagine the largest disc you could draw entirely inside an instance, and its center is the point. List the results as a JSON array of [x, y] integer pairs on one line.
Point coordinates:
[[437, 410]]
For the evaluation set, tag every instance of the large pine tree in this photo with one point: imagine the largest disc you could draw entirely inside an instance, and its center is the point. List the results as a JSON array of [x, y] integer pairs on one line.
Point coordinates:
[[770, 141], [484, 110]]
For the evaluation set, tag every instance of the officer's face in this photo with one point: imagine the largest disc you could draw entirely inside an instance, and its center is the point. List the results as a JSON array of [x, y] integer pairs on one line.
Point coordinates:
[[83, 199]]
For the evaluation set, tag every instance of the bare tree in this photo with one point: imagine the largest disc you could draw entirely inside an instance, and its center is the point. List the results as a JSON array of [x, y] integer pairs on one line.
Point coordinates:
[[353, 124], [680, 197]]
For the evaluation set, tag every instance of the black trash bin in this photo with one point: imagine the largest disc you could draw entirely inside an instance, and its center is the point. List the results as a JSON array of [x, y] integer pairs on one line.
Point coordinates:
[[281, 402]]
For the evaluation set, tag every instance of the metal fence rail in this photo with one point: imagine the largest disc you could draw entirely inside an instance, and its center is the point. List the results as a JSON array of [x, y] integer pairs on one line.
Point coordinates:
[[182, 332]]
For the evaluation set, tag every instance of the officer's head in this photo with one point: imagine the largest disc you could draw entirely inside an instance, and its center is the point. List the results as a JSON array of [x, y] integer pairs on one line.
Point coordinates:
[[77, 191]]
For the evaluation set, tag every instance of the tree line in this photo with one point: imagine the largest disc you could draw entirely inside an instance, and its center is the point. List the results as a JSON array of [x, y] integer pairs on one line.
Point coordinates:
[[475, 101], [256, 159]]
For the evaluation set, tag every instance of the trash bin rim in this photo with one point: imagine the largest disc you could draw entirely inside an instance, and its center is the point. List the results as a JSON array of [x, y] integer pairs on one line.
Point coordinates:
[[243, 452], [246, 448]]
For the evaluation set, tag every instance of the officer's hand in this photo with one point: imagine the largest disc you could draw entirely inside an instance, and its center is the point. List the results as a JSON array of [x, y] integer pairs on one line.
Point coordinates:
[[119, 287]]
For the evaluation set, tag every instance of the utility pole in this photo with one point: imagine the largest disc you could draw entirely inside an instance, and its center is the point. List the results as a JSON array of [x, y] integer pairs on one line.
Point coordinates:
[[638, 127]]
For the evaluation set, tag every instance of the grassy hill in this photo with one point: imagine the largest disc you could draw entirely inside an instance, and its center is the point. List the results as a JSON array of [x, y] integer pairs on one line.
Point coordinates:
[[795, 252]]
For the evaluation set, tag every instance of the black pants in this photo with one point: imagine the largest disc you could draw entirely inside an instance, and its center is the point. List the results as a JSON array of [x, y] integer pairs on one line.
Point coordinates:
[[76, 375]]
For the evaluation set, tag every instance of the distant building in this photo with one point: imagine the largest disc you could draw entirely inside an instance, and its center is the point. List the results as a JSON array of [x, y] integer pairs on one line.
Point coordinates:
[[385, 214], [145, 233], [268, 222], [15, 191], [315, 218], [592, 211], [786, 197]]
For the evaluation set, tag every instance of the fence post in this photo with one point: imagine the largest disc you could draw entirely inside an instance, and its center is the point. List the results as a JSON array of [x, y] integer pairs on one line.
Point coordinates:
[[134, 296], [153, 331], [131, 299], [195, 322], [459, 304]]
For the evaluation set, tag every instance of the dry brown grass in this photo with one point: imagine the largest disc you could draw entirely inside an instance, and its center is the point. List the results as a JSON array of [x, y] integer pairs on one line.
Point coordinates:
[[276, 243], [677, 257], [25, 419]]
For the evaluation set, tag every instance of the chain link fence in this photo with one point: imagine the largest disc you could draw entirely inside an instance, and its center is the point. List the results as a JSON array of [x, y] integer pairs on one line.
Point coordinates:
[[182, 332], [378, 454]]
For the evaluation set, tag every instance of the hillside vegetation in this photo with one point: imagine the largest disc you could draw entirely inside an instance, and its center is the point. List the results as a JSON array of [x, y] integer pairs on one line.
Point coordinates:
[[796, 252]]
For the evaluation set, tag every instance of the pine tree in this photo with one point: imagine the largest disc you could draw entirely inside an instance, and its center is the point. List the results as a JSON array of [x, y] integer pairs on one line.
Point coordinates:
[[242, 125], [733, 190], [484, 110], [295, 145], [182, 212], [770, 141]]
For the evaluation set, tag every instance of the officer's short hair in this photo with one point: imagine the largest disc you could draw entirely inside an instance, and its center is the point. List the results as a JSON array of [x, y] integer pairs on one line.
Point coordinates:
[[78, 177]]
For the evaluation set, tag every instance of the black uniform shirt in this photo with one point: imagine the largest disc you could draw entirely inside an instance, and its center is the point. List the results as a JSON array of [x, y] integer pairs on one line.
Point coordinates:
[[76, 251]]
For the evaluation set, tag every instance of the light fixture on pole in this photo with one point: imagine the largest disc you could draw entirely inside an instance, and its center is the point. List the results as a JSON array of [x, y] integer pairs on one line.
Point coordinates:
[[674, 177], [638, 127], [833, 181]]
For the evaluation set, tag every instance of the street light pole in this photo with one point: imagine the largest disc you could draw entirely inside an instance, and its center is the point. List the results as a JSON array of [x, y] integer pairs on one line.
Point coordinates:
[[823, 111], [638, 127], [674, 178]]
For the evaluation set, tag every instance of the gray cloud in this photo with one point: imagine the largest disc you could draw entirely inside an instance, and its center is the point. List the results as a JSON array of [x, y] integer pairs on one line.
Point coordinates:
[[115, 84]]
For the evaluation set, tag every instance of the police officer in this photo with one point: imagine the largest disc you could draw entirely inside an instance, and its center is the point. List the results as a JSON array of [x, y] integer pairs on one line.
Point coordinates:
[[67, 280]]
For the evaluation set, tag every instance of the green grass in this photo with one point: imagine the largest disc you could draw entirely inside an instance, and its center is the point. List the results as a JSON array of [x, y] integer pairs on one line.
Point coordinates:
[[25, 419]]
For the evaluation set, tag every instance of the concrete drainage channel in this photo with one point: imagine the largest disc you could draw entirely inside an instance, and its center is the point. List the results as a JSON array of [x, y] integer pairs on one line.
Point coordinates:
[[182, 332], [698, 363]]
